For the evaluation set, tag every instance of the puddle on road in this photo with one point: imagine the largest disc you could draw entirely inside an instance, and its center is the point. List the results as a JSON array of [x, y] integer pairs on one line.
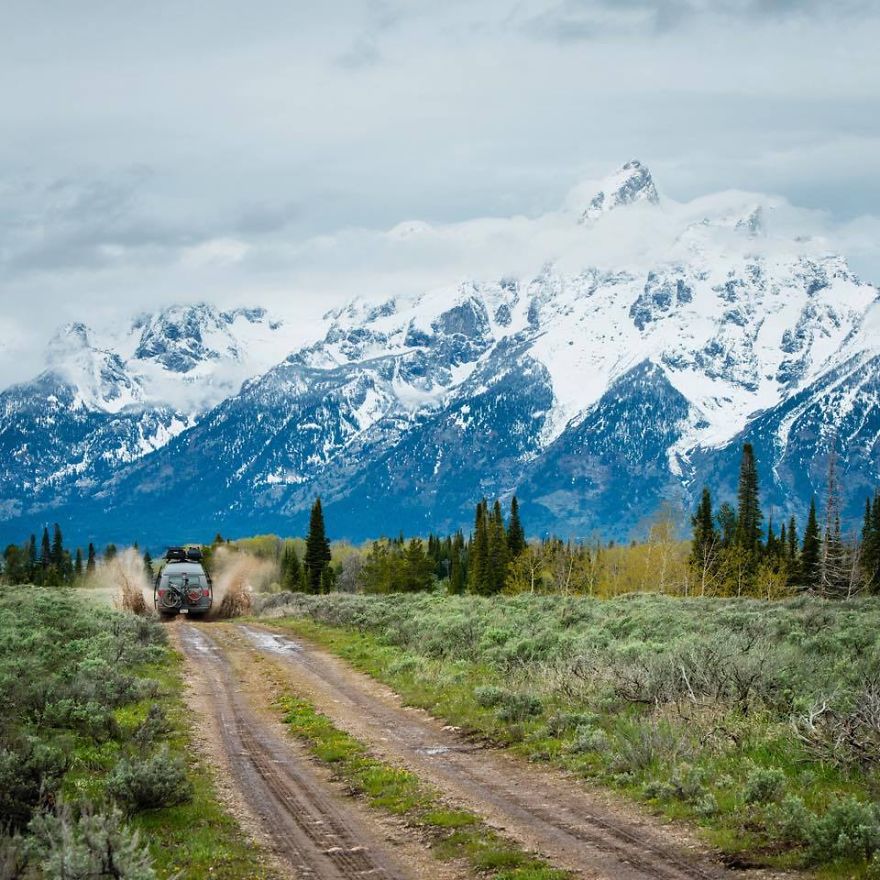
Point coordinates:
[[193, 639], [270, 642]]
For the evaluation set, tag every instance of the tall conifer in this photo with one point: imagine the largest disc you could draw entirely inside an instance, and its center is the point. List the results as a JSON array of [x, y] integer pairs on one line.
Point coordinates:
[[810, 549], [498, 550], [291, 570], [748, 514], [478, 558], [516, 536], [317, 555], [45, 550], [57, 553], [705, 535], [31, 561]]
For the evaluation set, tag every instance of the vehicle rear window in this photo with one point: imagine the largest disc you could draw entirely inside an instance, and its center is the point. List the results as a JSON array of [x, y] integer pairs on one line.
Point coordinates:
[[180, 580]]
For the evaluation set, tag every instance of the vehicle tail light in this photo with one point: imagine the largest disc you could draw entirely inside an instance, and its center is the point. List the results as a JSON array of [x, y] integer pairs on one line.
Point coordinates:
[[206, 592], [161, 594]]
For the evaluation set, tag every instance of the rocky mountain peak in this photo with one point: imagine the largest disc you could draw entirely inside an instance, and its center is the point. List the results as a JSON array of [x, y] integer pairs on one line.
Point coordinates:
[[631, 183]]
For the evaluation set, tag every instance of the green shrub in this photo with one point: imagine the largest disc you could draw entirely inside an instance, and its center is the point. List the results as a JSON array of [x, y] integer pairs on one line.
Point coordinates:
[[517, 707], [588, 738], [561, 723], [406, 665], [91, 719], [13, 856], [28, 771], [640, 745], [154, 727], [706, 805], [685, 784], [92, 846], [488, 696], [764, 784], [848, 830], [157, 781], [793, 821]]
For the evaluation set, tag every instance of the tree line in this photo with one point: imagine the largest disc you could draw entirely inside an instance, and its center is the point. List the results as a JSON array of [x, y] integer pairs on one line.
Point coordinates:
[[50, 563], [733, 550], [732, 553]]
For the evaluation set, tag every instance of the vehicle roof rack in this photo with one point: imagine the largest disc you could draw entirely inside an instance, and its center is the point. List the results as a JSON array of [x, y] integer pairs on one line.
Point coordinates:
[[194, 554], [175, 554]]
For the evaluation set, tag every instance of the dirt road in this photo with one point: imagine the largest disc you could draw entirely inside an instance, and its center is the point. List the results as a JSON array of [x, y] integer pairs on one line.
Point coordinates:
[[315, 833], [590, 834]]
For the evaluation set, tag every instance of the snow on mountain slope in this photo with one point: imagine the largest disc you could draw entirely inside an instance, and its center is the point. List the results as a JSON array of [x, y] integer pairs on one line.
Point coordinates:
[[106, 400], [630, 184], [633, 363]]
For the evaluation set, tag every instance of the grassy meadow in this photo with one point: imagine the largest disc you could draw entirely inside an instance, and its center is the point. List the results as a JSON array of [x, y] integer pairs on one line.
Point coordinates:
[[99, 769], [757, 721]]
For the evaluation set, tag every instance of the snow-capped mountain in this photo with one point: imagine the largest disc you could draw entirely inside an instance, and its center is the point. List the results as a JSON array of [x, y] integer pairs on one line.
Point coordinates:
[[107, 399], [595, 393], [630, 184]]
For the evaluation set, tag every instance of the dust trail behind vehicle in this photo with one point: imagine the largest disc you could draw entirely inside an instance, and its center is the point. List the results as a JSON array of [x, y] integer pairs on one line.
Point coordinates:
[[126, 577], [237, 576]]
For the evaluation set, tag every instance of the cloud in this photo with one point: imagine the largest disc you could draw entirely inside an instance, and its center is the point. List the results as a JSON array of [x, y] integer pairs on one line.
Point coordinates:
[[580, 20], [183, 152], [363, 52]]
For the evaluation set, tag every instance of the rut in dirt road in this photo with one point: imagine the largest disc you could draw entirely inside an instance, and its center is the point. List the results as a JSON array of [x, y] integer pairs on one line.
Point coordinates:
[[563, 822], [316, 837]]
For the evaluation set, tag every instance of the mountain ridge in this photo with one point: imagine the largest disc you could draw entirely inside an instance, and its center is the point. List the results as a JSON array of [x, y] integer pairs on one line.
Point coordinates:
[[405, 411]]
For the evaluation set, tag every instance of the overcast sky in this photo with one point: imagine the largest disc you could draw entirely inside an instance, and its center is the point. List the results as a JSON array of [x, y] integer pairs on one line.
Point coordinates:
[[214, 150]]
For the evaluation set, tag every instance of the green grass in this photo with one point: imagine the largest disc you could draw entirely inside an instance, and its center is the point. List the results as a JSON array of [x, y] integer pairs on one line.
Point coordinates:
[[454, 834], [76, 682], [437, 651]]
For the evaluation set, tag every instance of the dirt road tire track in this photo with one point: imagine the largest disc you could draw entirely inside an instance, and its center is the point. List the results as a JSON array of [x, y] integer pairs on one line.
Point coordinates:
[[566, 824], [313, 834]]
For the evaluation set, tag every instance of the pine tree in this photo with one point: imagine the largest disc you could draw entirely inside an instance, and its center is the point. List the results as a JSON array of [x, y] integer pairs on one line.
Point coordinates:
[[45, 551], [810, 550], [704, 544], [31, 561], [291, 570], [317, 555], [498, 550], [771, 546], [478, 558], [148, 566], [78, 564], [834, 562], [110, 552], [748, 514], [57, 552], [417, 565], [870, 560], [90, 560], [457, 568], [727, 524], [516, 536], [792, 541]]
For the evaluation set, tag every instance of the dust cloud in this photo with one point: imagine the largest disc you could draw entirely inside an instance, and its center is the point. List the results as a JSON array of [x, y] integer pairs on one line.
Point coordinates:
[[237, 576], [126, 577]]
